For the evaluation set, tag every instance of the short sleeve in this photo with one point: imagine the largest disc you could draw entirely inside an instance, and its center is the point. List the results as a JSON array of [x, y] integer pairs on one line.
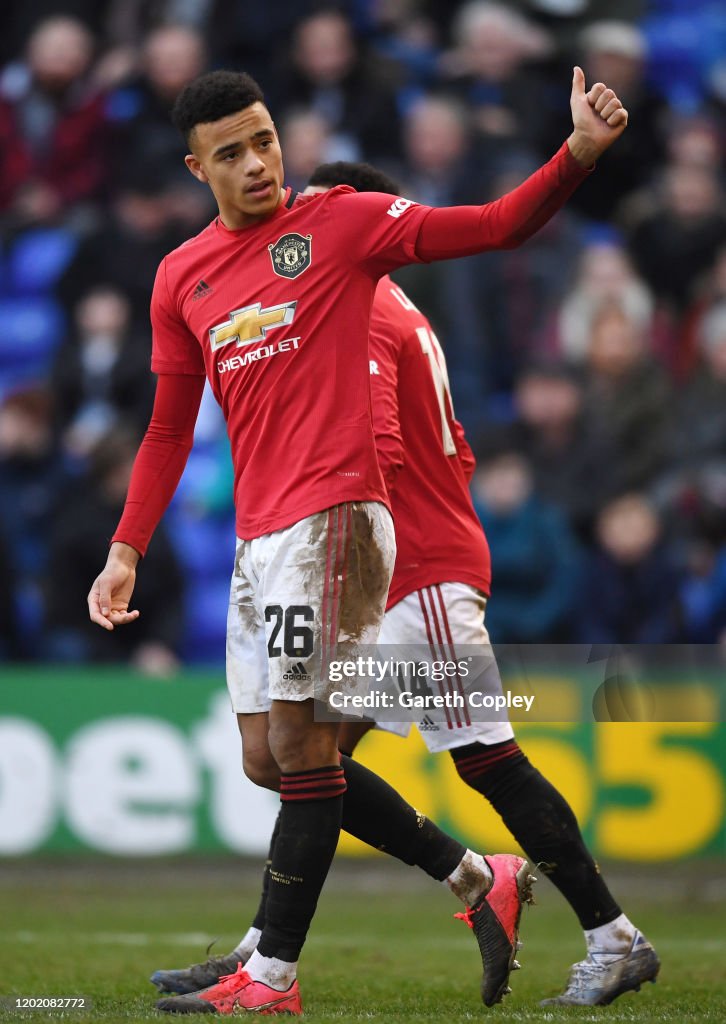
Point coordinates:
[[378, 231], [174, 349]]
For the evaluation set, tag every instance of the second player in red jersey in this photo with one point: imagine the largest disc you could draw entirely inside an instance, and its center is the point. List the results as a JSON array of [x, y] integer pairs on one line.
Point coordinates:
[[438, 535]]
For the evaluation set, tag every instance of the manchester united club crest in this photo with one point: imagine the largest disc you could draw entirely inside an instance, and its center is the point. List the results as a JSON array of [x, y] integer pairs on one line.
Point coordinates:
[[291, 255]]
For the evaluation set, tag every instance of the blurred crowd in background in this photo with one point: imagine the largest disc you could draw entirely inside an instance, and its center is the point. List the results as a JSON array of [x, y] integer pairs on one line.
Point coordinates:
[[589, 367]]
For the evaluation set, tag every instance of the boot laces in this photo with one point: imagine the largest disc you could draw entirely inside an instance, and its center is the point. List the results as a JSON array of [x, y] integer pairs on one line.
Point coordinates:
[[584, 972], [467, 917], [240, 979]]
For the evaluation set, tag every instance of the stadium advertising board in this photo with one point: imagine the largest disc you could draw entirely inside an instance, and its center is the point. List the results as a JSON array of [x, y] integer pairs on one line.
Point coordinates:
[[110, 762]]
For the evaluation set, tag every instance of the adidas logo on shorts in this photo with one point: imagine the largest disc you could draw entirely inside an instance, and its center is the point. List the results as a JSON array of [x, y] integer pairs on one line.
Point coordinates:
[[298, 673], [427, 724]]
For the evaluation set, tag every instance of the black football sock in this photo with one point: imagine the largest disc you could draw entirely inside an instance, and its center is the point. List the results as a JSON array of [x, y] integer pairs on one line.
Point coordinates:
[[376, 814], [259, 921], [542, 822], [311, 805]]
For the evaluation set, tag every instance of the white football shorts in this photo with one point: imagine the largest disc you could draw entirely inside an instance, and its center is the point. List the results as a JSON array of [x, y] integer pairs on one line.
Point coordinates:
[[303, 596], [436, 621]]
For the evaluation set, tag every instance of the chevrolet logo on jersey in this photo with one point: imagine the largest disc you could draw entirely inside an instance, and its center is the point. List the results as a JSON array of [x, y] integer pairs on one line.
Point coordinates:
[[251, 324]]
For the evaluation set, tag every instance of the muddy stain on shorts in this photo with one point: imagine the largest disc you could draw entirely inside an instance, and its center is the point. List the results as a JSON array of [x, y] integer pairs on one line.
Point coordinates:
[[362, 568], [366, 578], [312, 564], [242, 596]]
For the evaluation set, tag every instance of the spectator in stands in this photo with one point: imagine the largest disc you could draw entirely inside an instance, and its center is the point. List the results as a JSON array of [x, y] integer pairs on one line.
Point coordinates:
[[53, 138], [441, 170], [627, 396], [700, 417], [172, 55], [329, 71], [605, 275], [693, 483], [535, 560], [79, 537], [369, 79], [405, 32], [101, 375], [252, 35], [615, 52], [440, 166], [695, 141], [572, 468], [493, 307], [677, 241], [491, 68], [631, 582], [30, 480], [565, 18], [306, 143], [128, 246], [710, 293]]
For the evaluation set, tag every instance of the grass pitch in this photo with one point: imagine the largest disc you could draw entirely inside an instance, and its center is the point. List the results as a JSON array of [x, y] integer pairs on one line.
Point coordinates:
[[383, 947]]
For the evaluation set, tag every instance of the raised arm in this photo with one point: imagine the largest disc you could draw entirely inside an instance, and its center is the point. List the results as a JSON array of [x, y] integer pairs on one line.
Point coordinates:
[[598, 119], [157, 470]]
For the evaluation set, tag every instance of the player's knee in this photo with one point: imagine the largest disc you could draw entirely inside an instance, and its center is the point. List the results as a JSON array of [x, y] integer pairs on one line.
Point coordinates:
[[298, 750], [261, 768]]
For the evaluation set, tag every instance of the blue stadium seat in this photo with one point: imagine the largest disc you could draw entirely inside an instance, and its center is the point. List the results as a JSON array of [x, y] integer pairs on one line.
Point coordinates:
[[686, 39], [38, 258], [30, 331]]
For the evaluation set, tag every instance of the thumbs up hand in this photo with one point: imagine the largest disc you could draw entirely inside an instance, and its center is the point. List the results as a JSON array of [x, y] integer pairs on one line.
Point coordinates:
[[598, 117]]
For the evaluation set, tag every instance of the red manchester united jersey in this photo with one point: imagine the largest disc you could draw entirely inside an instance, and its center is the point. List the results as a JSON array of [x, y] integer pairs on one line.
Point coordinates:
[[277, 316], [424, 455]]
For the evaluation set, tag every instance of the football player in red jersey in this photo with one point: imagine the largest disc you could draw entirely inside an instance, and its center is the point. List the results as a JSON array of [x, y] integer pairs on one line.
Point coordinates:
[[435, 604], [315, 539]]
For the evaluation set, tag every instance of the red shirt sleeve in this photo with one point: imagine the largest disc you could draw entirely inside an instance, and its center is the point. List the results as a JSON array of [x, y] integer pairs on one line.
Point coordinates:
[[383, 348], [174, 349], [161, 458], [379, 232], [505, 223]]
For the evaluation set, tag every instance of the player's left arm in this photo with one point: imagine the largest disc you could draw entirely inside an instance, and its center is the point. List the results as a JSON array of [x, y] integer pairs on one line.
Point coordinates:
[[383, 350], [598, 119]]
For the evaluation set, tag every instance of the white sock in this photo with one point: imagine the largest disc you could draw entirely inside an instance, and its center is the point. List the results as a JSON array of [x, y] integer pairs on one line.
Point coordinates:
[[470, 878], [278, 974], [615, 937], [247, 945]]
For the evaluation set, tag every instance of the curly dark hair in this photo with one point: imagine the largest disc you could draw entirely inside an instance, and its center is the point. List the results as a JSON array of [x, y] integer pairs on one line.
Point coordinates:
[[361, 177], [212, 97]]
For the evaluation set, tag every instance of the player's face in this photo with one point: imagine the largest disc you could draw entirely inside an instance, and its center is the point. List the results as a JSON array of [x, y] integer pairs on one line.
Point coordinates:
[[239, 158]]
